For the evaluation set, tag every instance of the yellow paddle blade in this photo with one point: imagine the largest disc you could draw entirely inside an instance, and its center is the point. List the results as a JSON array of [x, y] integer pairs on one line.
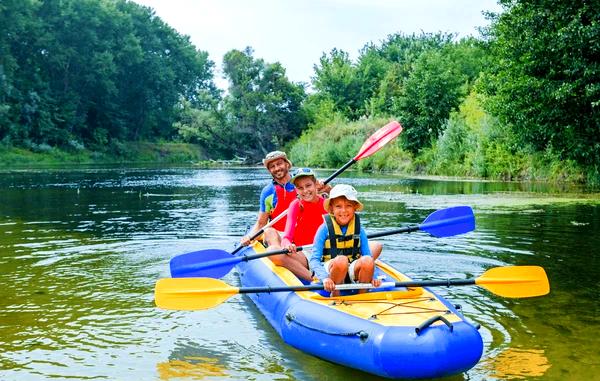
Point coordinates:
[[191, 293], [515, 281]]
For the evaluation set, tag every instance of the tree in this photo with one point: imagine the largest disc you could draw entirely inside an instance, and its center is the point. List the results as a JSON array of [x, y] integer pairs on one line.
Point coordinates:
[[438, 83], [93, 71], [337, 79], [400, 52], [263, 107], [166, 67], [544, 78]]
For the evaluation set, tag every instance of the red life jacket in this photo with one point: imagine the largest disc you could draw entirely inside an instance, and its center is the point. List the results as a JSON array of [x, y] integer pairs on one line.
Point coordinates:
[[284, 199], [310, 217]]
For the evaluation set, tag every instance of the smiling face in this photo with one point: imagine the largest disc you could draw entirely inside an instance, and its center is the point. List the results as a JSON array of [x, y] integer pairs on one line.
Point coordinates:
[[280, 170], [342, 209], [306, 187]]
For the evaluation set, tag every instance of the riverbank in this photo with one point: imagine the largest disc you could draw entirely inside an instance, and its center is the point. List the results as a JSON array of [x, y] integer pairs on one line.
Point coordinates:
[[125, 153], [392, 161]]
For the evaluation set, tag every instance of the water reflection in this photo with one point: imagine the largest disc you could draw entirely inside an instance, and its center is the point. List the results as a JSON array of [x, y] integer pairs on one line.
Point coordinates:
[[190, 367], [517, 364]]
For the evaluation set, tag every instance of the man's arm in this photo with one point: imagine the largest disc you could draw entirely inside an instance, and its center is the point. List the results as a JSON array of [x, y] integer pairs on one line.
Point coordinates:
[[265, 203], [261, 221]]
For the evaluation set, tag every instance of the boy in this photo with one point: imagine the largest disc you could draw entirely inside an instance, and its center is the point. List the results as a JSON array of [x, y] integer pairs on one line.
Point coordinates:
[[341, 249]]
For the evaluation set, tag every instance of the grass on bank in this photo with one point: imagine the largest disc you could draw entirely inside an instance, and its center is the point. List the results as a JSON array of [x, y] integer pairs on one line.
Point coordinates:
[[120, 153], [334, 144]]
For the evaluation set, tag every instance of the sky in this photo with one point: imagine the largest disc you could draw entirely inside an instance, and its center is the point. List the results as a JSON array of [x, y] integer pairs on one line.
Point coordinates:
[[296, 33]]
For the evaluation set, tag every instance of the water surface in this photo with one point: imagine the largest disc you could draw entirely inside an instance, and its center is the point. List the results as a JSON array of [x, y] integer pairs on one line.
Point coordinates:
[[82, 249]]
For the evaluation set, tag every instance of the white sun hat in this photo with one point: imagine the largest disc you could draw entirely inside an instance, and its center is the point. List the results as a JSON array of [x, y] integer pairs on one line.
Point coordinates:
[[343, 190], [272, 156]]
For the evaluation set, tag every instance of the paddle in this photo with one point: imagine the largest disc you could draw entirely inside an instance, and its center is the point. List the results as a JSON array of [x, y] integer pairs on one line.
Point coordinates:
[[204, 293], [215, 263], [373, 144]]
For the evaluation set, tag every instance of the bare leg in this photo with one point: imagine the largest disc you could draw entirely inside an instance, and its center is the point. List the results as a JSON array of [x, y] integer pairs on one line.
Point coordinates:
[[296, 263], [375, 247], [363, 270], [272, 239], [338, 268]]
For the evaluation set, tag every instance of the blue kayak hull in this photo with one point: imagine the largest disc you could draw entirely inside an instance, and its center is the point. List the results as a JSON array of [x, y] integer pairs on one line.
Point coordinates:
[[378, 332]]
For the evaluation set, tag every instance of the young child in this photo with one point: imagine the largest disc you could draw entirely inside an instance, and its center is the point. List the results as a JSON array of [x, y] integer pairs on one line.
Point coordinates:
[[341, 251], [304, 216]]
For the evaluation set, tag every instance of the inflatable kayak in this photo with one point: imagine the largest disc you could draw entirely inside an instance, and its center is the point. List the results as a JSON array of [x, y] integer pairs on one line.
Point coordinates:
[[393, 332]]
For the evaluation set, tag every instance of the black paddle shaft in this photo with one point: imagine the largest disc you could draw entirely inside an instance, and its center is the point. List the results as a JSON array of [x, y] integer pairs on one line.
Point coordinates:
[[336, 173], [316, 287], [408, 229]]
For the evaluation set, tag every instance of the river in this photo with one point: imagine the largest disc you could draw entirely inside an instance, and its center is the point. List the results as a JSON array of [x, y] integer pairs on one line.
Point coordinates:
[[81, 250]]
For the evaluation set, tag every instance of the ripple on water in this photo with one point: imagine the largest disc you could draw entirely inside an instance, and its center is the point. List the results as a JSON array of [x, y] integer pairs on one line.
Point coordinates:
[[79, 269]]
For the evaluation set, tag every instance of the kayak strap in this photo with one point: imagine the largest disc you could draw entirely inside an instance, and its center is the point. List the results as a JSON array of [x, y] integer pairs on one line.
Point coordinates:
[[362, 335], [432, 320]]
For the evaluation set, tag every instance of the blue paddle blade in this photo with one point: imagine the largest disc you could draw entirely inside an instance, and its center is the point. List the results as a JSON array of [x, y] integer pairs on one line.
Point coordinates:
[[449, 222], [210, 263]]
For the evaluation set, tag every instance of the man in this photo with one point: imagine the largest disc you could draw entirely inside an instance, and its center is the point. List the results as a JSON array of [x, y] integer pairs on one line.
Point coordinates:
[[274, 198]]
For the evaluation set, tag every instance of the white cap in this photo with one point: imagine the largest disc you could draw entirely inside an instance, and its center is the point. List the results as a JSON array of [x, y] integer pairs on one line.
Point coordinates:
[[343, 190]]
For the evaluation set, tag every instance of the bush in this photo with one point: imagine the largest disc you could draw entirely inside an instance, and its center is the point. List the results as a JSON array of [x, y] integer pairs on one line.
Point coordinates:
[[333, 144], [454, 152], [459, 149]]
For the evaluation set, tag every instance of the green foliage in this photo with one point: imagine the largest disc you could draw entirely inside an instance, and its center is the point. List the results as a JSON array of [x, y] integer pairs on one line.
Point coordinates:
[[455, 150], [475, 144], [321, 112], [93, 71], [543, 82], [422, 78], [371, 70], [263, 107], [501, 162], [459, 150], [370, 87], [549, 166], [472, 144], [438, 82], [400, 52], [336, 79], [430, 92], [118, 152], [388, 91], [82, 79], [332, 145], [203, 127]]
